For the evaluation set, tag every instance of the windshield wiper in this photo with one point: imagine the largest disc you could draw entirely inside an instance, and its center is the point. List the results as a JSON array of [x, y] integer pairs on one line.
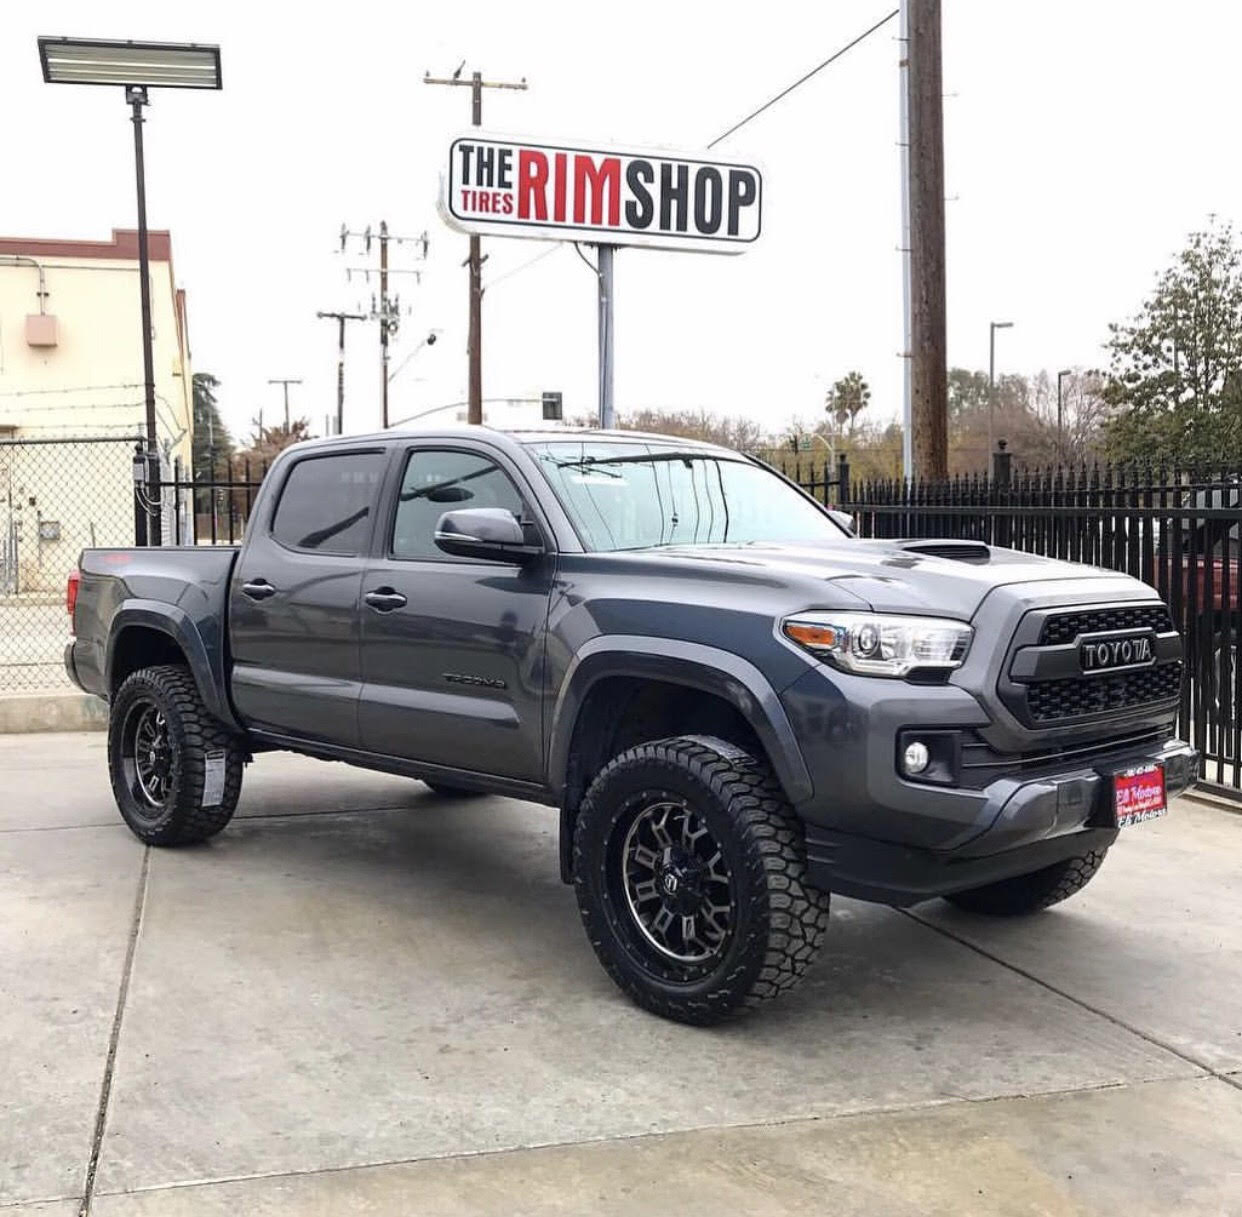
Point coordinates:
[[587, 461]]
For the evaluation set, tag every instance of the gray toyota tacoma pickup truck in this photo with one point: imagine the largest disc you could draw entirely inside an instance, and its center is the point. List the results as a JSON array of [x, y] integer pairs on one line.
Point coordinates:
[[737, 706]]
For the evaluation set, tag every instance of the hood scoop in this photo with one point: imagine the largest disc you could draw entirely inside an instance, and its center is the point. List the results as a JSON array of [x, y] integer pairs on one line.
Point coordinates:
[[957, 551]]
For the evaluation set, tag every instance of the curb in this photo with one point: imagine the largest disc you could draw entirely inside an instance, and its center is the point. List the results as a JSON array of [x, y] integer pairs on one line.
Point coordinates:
[[1208, 798], [22, 713]]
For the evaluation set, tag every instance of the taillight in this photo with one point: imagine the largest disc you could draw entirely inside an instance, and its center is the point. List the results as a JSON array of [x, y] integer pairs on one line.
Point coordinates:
[[71, 595]]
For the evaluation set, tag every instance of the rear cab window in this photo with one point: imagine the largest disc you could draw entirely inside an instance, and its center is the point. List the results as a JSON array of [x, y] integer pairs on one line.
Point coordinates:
[[327, 504]]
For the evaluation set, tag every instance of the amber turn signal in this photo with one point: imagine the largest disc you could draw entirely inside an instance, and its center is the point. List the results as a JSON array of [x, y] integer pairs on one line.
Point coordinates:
[[810, 634]]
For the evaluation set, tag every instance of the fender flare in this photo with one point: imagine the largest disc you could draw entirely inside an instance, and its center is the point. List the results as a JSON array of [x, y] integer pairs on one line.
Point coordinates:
[[206, 667], [722, 673]]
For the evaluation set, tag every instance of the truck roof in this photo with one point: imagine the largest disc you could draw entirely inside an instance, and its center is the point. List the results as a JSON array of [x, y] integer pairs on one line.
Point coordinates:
[[526, 436]]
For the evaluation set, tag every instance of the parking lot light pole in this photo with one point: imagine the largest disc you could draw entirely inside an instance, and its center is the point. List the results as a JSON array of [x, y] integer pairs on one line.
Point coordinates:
[[136, 67], [136, 95], [1061, 415], [993, 326]]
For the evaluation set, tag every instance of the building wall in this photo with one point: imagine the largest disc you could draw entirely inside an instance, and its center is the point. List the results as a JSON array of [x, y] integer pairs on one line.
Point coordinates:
[[91, 381]]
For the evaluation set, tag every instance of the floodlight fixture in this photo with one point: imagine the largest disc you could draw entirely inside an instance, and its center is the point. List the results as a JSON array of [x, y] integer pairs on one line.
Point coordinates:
[[98, 61]]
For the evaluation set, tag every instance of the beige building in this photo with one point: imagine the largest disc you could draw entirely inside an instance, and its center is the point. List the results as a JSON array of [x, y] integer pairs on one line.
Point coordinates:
[[70, 340], [71, 370]]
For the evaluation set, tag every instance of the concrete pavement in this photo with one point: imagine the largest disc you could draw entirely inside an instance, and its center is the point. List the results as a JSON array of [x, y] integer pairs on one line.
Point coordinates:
[[364, 998]]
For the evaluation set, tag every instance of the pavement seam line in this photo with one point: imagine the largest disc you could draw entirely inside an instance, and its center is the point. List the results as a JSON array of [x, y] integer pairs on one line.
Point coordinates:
[[1155, 1041], [903, 1109], [114, 1039]]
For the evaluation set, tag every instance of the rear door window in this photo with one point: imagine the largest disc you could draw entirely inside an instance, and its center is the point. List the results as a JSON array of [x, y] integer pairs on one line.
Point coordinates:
[[328, 502]]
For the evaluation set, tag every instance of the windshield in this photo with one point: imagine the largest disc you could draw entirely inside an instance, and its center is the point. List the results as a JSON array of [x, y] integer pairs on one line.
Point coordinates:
[[636, 495]]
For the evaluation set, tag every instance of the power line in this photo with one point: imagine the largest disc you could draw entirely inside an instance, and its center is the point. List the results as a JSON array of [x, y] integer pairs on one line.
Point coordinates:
[[849, 46], [539, 257]]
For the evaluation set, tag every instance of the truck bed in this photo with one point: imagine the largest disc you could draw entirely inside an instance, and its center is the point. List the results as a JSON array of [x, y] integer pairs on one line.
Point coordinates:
[[124, 589]]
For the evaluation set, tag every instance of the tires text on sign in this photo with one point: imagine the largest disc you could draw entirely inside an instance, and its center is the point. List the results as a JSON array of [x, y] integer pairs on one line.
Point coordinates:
[[509, 187]]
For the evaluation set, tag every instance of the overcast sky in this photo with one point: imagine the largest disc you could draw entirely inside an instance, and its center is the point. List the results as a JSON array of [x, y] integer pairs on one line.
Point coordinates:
[[1083, 141]]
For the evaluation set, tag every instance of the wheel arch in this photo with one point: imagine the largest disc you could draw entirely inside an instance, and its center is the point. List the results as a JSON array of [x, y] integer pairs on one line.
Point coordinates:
[[624, 690], [144, 633]]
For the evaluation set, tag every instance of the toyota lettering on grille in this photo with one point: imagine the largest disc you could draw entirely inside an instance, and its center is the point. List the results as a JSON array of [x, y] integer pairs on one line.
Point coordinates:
[[1109, 653]]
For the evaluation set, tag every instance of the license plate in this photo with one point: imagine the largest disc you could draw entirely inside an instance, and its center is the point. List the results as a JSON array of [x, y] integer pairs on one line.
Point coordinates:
[[1139, 794]]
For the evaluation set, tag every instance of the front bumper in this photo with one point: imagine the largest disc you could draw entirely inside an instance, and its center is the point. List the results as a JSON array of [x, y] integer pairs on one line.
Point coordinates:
[[1036, 824]]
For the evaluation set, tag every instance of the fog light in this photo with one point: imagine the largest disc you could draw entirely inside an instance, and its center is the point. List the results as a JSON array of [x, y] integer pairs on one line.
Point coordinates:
[[916, 757]]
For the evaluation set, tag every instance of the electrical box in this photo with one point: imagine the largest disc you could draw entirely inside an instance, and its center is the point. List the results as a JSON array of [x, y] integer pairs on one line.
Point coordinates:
[[552, 407], [41, 330]]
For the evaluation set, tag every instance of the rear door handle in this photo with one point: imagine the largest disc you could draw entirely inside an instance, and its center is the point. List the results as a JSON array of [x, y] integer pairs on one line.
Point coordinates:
[[384, 599], [259, 589]]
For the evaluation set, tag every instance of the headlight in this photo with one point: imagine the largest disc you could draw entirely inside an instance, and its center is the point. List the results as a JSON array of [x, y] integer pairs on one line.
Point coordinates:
[[877, 644]]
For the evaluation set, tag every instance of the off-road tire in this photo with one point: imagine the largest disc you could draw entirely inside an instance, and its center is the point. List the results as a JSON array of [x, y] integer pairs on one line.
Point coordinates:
[[1040, 889], [778, 920], [192, 735]]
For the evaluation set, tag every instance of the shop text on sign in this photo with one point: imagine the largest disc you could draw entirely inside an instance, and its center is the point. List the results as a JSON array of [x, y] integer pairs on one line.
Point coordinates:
[[515, 188]]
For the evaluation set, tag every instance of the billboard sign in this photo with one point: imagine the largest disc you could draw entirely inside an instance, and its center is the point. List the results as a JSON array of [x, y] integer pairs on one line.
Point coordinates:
[[510, 187]]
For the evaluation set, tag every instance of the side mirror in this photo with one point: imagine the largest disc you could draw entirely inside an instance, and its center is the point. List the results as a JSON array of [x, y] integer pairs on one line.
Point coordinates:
[[487, 534], [844, 519]]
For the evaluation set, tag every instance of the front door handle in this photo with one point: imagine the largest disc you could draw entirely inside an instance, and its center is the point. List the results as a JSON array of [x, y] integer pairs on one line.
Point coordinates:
[[384, 599], [258, 589]]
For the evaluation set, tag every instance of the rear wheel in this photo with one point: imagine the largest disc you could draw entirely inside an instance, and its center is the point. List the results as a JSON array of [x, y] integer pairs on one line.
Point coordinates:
[[690, 873], [1040, 889], [176, 771]]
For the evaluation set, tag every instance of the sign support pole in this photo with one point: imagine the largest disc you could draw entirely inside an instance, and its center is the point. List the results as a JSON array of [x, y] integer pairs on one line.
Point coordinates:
[[607, 415]]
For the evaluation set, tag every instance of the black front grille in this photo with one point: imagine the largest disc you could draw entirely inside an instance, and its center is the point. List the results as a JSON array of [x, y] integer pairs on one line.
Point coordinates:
[[1075, 697], [1065, 627]]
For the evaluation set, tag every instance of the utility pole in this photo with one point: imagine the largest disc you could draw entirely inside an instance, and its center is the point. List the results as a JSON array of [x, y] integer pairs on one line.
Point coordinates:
[[388, 313], [903, 145], [928, 357], [285, 383], [476, 84], [340, 319]]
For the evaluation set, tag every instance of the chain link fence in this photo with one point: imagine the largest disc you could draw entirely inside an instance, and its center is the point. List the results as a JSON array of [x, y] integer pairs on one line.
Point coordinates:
[[57, 497]]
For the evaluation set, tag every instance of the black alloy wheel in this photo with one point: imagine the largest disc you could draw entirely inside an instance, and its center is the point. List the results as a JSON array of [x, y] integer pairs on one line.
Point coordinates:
[[676, 881], [148, 761]]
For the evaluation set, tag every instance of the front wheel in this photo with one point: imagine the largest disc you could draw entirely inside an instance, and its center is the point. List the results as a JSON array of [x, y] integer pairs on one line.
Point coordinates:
[[176, 771], [690, 873], [1030, 893]]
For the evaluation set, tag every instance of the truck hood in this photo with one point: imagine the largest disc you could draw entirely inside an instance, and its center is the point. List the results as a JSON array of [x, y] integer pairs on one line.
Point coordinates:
[[884, 575]]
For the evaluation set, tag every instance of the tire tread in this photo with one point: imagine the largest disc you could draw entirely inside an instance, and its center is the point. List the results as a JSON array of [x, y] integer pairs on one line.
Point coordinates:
[[200, 732], [794, 914]]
